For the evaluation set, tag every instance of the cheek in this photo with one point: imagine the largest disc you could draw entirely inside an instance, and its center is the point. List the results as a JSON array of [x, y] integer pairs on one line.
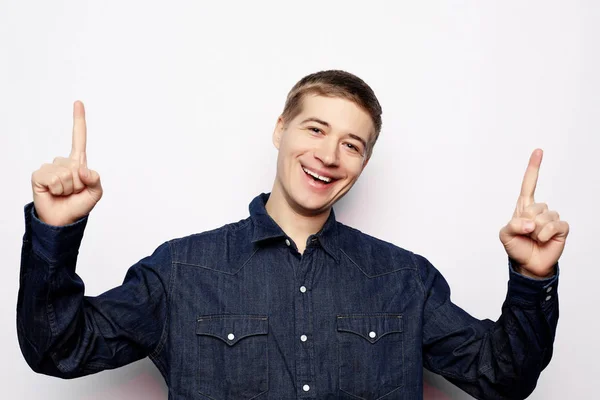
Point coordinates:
[[285, 157], [293, 148], [287, 142], [354, 167]]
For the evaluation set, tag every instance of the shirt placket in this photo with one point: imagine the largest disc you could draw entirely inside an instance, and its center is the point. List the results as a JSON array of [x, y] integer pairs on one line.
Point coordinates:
[[304, 335]]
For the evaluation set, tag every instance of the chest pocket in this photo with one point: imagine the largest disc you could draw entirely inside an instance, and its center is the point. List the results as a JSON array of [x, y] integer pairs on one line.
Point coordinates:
[[370, 355], [233, 361]]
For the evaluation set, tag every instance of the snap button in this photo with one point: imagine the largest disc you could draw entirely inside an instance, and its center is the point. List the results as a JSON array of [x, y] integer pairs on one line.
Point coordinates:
[[287, 241], [231, 336], [303, 289], [303, 338], [548, 298], [549, 289], [372, 335], [306, 388]]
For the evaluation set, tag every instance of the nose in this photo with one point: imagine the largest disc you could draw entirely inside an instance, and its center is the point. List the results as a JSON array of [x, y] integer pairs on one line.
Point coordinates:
[[327, 151]]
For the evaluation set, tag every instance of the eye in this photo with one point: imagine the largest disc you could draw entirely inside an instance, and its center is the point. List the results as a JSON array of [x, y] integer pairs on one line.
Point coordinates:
[[315, 130], [352, 147]]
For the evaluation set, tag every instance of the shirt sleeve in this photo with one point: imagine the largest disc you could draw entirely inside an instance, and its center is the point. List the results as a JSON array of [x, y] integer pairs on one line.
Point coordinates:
[[490, 360], [64, 333]]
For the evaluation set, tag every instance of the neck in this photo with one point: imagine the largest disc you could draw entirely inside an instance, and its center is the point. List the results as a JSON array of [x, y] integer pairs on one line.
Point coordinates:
[[295, 224]]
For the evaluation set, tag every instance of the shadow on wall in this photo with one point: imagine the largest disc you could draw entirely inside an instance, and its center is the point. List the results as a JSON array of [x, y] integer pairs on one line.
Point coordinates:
[[138, 381], [431, 393], [437, 388]]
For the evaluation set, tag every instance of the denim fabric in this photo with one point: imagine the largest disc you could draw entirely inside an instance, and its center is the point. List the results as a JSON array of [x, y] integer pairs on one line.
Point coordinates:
[[238, 313]]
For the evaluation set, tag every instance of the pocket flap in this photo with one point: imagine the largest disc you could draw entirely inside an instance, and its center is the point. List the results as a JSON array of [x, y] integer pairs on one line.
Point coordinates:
[[232, 328], [371, 327]]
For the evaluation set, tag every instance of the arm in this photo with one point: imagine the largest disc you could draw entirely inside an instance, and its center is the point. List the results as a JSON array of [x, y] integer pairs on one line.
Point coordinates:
[[64, 333], [502, 360], [488, 360]]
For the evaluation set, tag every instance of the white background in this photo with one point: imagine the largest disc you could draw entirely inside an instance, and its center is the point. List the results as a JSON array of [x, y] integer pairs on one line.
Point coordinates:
[[182, 98]]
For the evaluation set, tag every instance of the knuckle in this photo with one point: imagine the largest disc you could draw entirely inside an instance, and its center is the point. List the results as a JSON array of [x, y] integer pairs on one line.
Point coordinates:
[[530, 210], [530, 214], [54, 180], [65, 175], [539, 217], [551, 216]]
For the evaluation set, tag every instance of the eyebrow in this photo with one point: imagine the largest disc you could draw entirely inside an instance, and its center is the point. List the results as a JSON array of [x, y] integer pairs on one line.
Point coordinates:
[[317, 120], [324, 123]]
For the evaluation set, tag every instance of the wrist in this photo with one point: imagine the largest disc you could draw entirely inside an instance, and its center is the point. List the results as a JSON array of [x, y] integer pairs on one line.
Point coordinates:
[[525, 272]]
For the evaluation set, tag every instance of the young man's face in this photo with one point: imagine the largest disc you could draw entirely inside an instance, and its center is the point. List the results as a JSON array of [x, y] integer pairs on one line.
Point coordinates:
[[322, 152]]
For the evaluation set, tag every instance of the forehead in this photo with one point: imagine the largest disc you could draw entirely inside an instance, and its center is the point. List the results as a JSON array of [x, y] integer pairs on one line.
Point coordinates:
[[341, 114]]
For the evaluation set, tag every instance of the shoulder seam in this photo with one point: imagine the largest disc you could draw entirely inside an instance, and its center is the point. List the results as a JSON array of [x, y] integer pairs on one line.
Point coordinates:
[[163, 338], [418, 272], [227, 227]]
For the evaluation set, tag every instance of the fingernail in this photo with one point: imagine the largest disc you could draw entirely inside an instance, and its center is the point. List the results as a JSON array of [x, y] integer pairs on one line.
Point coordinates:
[[528, 226]]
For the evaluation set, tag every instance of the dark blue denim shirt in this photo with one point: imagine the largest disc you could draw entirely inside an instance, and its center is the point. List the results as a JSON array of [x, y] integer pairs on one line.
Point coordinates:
[[238, 313]]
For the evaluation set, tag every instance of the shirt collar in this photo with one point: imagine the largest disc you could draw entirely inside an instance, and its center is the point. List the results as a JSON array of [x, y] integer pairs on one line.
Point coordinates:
[[265, 227]]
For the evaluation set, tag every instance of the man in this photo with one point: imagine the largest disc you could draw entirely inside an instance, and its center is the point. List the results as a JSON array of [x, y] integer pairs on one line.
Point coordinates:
[[288, 303]]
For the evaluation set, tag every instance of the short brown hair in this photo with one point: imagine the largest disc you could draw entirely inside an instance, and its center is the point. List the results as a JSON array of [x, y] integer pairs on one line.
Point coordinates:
[[335, 83]]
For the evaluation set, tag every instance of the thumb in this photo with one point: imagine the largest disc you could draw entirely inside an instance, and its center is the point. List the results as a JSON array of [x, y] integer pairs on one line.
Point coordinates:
[[516, 227], [91, 179]]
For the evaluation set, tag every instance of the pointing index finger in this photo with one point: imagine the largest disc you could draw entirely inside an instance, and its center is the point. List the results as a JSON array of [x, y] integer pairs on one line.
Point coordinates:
[[79, 133], [531, 176]]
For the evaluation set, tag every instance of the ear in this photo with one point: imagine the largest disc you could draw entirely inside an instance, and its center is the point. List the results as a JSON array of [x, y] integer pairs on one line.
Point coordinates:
[[278, 132]]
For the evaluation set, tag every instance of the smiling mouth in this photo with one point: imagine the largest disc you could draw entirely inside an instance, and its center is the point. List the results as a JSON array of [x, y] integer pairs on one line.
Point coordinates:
[[317, 177]]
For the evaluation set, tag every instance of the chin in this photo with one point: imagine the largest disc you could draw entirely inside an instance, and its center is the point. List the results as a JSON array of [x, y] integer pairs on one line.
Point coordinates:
[[311, 203], [314, 203]]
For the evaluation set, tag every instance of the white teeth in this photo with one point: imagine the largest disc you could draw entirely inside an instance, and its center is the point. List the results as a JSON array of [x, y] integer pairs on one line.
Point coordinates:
[[322, 178]]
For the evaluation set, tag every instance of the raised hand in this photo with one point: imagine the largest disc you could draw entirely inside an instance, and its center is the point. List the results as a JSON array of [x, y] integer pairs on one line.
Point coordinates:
[[535, 236], [67, 190]]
